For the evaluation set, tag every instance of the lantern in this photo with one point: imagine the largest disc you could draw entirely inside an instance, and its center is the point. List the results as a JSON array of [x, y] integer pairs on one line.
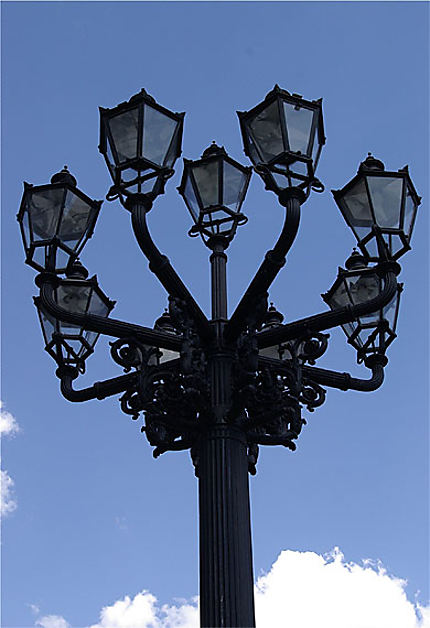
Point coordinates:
[[70, 344], [380, 207], [213, 189], [140, 141], [56, 220], [283, 136], [369, 333]]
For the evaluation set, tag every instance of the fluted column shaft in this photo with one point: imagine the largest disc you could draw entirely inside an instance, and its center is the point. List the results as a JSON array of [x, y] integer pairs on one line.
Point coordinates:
[[226, 573]]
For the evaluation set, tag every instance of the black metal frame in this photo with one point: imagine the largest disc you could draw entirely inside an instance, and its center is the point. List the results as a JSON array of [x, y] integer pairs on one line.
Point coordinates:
[[221, 399]]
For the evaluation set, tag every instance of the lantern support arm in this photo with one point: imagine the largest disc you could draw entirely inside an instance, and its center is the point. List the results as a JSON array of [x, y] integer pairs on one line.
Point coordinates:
[[99, 390], [160, 265], [334, 379], [101, 324], [273, 262], [334, 318], [345, 381]]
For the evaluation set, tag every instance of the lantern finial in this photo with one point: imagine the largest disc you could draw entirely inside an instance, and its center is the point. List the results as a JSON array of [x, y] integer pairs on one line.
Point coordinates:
[[64, 176]]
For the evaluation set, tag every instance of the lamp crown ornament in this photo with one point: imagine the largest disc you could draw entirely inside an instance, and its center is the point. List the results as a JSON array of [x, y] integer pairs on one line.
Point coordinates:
[[371, 163], [214, 149], [64, 176]]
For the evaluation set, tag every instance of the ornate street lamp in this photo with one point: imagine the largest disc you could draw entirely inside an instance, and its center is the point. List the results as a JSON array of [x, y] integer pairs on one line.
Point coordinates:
[[140, 141], [221, 386], [56, 220], [283, 136], [370, 333], [214, 189], [380, 207]]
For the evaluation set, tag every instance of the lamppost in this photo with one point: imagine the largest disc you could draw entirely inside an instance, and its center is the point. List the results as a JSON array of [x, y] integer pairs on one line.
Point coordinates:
[[220, 387]]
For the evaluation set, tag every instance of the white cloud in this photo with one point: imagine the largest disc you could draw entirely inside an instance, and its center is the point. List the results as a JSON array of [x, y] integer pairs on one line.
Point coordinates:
[[7, 500], [142, 612], [305, 589], [8, 427], [8, 423], [302, 589], [52, 621]]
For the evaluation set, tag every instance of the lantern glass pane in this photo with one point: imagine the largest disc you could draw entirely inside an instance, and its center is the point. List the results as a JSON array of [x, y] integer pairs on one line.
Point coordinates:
[[316, 143], [299, 124], [410, 208], [48, 324], [349, 329], [389, 312], [267, 133], [91, 337], [26, 229], [191, 198], [39, 256], [124, 131], [207, 183], [73, 298], [97, 305], [234, 181], [44, 208], [386, 197], [357, 205], [158, 130], [74, 219]]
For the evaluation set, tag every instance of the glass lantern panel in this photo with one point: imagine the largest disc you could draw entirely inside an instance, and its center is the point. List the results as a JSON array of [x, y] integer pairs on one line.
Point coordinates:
[[158, 130], [39, 256], [299, 125], [389, 312], [410, 209], [97, 305], [91, 337], [74, 298], [267, 132], [48, 324], [74, 220], [340, 296], [356, 203], [386, 197], [44, 209], [207, 183], [26, 229], [234, 181], [349, 329], [216, 215], [316, 143], [75, 344], [363, 289], [124, 131], [191, 199]]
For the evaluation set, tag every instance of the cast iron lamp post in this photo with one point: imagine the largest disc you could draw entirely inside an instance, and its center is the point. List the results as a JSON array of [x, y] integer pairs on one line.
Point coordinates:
[[220, 387]]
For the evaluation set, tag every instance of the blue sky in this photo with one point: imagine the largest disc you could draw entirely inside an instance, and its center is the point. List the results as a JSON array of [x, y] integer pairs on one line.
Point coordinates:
[[97, 518]]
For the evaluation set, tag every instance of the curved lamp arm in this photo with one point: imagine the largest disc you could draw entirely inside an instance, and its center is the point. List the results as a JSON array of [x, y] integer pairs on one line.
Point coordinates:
[[334, 379], [270, 267], [101, 324], [159, 264], [345, 381], [99, 390], [340, 316]]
